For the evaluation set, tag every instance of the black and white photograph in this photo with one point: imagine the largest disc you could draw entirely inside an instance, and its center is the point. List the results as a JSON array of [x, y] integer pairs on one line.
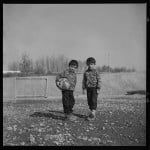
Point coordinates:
[[74, 74]]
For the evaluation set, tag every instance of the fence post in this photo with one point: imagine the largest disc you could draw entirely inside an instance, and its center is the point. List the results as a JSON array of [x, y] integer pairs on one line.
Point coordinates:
[[15, 90]]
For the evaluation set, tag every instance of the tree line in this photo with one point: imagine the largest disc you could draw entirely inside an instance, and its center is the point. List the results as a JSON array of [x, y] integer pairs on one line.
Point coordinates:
[[51, 65]]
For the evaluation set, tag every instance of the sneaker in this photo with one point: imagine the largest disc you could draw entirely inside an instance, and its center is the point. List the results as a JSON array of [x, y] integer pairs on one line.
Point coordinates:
[[71, 117], [91, 116], [93, 112]]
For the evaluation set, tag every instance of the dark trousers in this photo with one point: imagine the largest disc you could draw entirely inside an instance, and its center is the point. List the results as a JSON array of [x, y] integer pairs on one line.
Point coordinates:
[[92, 98], [68, 101]]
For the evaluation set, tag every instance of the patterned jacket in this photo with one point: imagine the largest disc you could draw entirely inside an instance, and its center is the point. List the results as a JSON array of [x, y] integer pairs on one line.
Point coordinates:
[[91, 78], [70, 75]]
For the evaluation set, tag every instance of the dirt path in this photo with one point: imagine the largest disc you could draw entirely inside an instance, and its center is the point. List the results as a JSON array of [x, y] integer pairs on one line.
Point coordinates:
[[121, 121]]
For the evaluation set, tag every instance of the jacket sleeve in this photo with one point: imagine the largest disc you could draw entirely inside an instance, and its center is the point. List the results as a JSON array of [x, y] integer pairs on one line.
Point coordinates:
[[75, 80], [84, 82], [60, 75], [98, 81]]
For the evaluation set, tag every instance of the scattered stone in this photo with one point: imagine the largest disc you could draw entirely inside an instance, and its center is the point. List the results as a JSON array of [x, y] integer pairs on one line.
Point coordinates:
[[41, 124], [109, 141], [136, 140], [91, 128], [60, 123], [15, 127], [57, 131], [14, 138], [84, 138], [89, 140], [32, 126], [103, 128], [47, 137], [32, 139], [56, 142], [40, 130], [110, 112], [90, 124], [79, 137], [9, 128], [22, 143]]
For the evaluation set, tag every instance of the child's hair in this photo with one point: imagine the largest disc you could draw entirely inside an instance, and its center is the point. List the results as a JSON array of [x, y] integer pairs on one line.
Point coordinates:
[[74, 63], [90, 60]]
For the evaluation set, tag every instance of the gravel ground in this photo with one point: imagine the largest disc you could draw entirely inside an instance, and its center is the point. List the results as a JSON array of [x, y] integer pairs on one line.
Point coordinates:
[[120, 121]]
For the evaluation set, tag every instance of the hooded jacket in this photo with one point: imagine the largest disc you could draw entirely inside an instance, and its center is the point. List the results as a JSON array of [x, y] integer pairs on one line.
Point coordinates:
[[91, 78]]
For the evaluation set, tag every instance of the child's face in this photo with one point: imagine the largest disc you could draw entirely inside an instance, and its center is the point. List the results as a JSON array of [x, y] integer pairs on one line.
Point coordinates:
[[73, 67], [91, 66]]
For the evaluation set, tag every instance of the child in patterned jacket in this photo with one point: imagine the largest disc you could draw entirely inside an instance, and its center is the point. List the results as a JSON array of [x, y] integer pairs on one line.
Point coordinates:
[[92, 84], [67, 95]]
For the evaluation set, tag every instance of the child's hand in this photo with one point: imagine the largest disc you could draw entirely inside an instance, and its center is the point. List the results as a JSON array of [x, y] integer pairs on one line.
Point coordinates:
[[83, 91], [57, 83], [98, 91]]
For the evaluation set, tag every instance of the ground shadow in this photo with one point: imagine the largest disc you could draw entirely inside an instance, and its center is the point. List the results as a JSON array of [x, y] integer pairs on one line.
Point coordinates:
[[59, 115], [80, 116], [48, 115], [55, 111], [143, 92]]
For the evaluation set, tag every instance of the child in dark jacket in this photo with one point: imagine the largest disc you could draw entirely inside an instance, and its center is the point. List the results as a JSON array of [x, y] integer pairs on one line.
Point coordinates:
[[67, 95], [92, 84]]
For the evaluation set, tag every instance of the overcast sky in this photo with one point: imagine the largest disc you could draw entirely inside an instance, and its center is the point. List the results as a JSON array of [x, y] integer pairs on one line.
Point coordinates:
[[112, 33]]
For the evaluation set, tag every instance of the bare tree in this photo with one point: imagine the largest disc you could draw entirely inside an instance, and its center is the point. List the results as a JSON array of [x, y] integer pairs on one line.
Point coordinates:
[[14, 66], [40, 67], [82, 66], [62, 63], [47, 63], [26, 64], [57, 64], [52, 64]]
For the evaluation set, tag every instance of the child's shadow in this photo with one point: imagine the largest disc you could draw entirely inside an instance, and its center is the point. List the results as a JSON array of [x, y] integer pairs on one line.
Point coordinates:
[[50, 114], [55, 115], [80, 116]]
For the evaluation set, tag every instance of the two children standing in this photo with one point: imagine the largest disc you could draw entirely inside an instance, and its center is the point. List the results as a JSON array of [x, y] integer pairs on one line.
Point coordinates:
[[90, 83]]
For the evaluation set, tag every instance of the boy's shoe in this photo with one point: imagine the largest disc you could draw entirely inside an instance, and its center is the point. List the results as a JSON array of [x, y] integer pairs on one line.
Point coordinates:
[[93, 112], [91, 116], [72, 117]]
